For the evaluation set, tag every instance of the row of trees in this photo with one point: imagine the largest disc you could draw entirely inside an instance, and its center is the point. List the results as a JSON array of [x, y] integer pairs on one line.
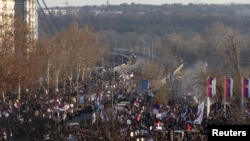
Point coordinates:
[[72, 53], [218, 53], [157, 19], [18, 57], [68, 56], [196, 35]]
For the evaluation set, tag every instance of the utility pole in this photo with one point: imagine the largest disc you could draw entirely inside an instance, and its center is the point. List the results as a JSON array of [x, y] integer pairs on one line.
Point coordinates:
[[152, 51], [107, 6], [48, 75]]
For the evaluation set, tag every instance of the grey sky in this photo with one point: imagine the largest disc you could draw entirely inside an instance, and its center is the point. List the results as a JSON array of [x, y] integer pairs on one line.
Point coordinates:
[[61, 3]]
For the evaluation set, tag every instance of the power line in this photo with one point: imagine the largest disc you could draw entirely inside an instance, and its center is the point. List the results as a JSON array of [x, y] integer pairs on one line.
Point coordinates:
[[50, 25], [46, 19], [53, 20]]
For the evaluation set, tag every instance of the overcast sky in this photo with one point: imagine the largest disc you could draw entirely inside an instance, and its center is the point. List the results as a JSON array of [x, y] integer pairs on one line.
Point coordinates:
[[51, 3]]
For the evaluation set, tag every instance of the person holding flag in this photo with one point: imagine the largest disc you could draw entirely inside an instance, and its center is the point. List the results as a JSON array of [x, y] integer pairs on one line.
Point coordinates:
[[199, 114], [97, 103]]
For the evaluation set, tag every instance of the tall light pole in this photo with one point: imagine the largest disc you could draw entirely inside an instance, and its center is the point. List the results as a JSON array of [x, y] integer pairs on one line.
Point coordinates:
[[205, 67], [48, 75], [111, 88], [112, 96]]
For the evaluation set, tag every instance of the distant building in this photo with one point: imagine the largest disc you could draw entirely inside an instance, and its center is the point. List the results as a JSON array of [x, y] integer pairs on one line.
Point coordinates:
[[62, 11], [25, 10]]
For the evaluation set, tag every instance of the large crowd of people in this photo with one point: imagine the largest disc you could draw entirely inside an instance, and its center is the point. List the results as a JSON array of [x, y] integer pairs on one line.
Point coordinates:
[[43, 115]]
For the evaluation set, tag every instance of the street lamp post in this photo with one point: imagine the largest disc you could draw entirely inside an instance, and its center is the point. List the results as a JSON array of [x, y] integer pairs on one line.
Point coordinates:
[[112, 96], [111, 91], [205, 67]]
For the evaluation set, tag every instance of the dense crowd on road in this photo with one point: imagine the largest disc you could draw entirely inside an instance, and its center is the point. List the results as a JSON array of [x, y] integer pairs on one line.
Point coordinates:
[[46, 113]]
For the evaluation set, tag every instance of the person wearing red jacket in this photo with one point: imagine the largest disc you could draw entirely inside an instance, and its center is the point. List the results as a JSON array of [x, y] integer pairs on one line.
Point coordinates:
[[189, 127]]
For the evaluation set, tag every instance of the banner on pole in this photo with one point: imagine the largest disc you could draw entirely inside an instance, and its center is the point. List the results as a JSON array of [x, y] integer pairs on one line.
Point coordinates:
[[228, 87], [144, 85], [246, 87], [211, 86]]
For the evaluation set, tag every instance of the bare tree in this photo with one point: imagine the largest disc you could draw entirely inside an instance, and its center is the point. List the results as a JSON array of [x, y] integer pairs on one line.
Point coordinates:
[[232, 51], [20, 65], [71, 53], [174, 42]]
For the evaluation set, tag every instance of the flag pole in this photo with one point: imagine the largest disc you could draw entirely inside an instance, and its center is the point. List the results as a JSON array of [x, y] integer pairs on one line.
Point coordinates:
[[208, 106], [242, 93], [207, 93], [225, 101]]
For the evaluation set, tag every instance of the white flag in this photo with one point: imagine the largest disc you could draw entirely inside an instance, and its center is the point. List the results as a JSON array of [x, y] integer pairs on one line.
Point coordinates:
[[195, 99], [93, 118], [199, 115]]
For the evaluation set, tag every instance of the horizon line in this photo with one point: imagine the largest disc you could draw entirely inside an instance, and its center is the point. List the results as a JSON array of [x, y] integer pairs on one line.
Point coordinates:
[[199, 3]]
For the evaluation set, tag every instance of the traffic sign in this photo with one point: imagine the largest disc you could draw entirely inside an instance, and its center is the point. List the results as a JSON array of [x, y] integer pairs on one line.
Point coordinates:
[[144, 85]]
